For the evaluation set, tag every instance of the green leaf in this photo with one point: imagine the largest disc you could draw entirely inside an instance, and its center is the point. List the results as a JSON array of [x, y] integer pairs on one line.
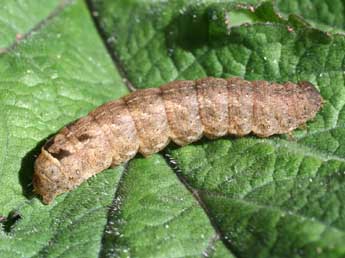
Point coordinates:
[[54, 75], [47, 81], [20, 17], [157, 222], [232, 197], [327, 15], [266, 197]]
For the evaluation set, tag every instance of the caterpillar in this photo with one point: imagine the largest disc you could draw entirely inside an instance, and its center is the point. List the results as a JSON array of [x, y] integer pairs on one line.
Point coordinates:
[[183, 111]]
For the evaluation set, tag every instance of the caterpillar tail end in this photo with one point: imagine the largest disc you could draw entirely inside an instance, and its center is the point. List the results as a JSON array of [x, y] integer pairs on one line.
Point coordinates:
[[314, 96]]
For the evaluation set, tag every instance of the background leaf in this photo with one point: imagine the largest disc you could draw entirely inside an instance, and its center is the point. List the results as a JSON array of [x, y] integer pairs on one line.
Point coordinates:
[[232, 197], [55, 75], [20, 17], [327, 15]]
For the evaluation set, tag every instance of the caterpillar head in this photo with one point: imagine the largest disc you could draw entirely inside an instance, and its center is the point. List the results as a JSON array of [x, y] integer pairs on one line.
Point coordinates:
[[70, 158], [48, 177], [54, 167]]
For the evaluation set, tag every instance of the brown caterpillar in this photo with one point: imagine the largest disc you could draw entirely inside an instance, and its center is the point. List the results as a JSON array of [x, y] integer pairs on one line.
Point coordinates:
[[181, 111]]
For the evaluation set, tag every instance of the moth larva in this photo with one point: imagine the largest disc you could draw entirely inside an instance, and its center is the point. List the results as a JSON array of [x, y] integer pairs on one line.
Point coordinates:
[[182, 111]]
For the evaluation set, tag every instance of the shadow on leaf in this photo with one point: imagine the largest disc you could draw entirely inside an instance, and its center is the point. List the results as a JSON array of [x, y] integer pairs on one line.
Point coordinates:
[[197, 27], [27, 169]]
